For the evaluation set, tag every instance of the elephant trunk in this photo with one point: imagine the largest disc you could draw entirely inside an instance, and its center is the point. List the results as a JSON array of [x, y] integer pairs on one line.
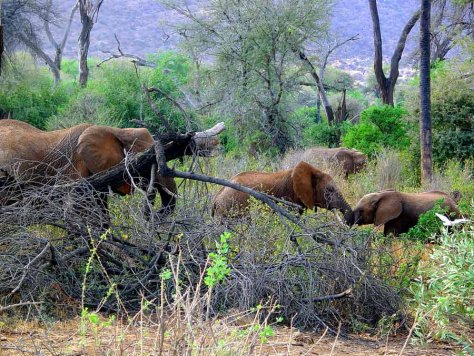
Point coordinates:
[[344, 207]]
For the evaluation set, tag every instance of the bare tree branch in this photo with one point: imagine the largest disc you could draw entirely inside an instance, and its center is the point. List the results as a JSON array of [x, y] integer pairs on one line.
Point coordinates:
[[135, 59]]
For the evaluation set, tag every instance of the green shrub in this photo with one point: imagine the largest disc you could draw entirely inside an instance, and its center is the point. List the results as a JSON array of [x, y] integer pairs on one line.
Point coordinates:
[[114, 94], [452, 110], [87, 107], [428, 224], [443, 295], [380, 126], [27, 93], [325, 135]]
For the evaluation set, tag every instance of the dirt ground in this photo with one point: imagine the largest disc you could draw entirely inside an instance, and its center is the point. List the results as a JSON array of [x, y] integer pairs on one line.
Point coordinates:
[[66, 338]]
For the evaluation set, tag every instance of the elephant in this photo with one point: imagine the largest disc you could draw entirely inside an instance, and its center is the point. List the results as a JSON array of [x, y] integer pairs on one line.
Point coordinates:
[[352, 161], [303, 184], [398, 211], [44, 158]]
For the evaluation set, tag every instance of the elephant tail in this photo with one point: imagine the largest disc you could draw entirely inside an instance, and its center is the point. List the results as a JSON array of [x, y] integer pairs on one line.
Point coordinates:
[[456, 195]]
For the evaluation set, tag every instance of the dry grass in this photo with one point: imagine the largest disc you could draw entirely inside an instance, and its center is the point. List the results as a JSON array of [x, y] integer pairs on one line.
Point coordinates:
[[122, 338]]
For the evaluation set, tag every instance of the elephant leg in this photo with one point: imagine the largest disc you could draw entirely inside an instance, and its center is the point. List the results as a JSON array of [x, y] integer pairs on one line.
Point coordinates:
[[167, 189], [151, 193], [104, 217]]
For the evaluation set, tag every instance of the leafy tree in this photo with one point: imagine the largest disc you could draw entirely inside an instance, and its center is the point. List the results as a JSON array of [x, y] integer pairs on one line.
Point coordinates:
[[452, 108], [252, 46]]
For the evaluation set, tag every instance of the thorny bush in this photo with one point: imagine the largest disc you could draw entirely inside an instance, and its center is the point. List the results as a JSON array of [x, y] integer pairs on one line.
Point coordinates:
[[54, 237]]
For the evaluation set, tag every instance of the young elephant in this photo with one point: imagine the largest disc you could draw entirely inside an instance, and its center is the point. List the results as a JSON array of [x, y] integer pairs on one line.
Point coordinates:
[[397, 211], [303, 184]]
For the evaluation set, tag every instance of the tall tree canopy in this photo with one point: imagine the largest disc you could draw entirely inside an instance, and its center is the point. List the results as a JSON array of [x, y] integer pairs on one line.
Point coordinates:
[[252, 46]]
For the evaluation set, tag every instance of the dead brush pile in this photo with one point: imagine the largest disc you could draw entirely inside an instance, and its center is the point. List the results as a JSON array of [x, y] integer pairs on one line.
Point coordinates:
[[57, 258]]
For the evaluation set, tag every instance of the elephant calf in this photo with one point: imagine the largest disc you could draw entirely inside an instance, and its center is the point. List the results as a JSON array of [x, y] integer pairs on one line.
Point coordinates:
[[303, 184], [397, 211]]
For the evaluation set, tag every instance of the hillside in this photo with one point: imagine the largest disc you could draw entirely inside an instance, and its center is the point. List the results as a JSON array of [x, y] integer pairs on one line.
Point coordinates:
[[141, 26]]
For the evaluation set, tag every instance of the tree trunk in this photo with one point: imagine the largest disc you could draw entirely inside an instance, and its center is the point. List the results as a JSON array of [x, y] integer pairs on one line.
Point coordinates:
[[425, 102], [318, 108], [317, 79], [88, 13], [1, 41], [387, 85], [84, 42], [1, 37]]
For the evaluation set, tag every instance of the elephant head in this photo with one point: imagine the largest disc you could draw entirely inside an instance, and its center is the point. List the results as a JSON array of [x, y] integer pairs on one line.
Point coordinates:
[[353, 161], [378, 208], [317, 189], [100, 148]]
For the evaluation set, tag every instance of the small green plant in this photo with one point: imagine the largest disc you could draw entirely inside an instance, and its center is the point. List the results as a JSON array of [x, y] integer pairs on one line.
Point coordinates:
[[266, 332], [218, 269], [92, 321]]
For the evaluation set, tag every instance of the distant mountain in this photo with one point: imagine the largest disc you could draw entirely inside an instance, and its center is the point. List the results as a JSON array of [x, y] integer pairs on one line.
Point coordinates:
[[140, 26]]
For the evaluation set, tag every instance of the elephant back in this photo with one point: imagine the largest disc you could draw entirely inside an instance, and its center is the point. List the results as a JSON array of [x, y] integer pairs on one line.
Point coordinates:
[[38, 156]]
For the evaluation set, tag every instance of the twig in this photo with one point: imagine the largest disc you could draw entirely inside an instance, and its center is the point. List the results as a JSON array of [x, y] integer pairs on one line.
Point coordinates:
[[27, 267], [173, 101], [11, 306], [344, 294]]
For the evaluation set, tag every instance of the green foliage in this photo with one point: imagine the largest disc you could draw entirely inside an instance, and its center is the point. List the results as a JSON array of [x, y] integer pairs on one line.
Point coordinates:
[[337, 79], [266, 332], [325, 135], [428, 224], [460, 178], [443, 295], [314, 133], [116, 88], [86, 107], [27, 93], [452, 111], [218, 269], [70, 67], [114, 94], [380, 126]]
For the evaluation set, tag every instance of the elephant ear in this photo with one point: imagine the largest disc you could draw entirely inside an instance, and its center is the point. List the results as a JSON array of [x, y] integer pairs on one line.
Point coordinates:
[[303, 177], [100, 149], [389, 207]]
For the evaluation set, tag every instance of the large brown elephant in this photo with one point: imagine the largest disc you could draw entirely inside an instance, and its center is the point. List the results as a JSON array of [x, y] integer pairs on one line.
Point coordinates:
[[397, 211], [352, 161], [40, 157], [303, 184]]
